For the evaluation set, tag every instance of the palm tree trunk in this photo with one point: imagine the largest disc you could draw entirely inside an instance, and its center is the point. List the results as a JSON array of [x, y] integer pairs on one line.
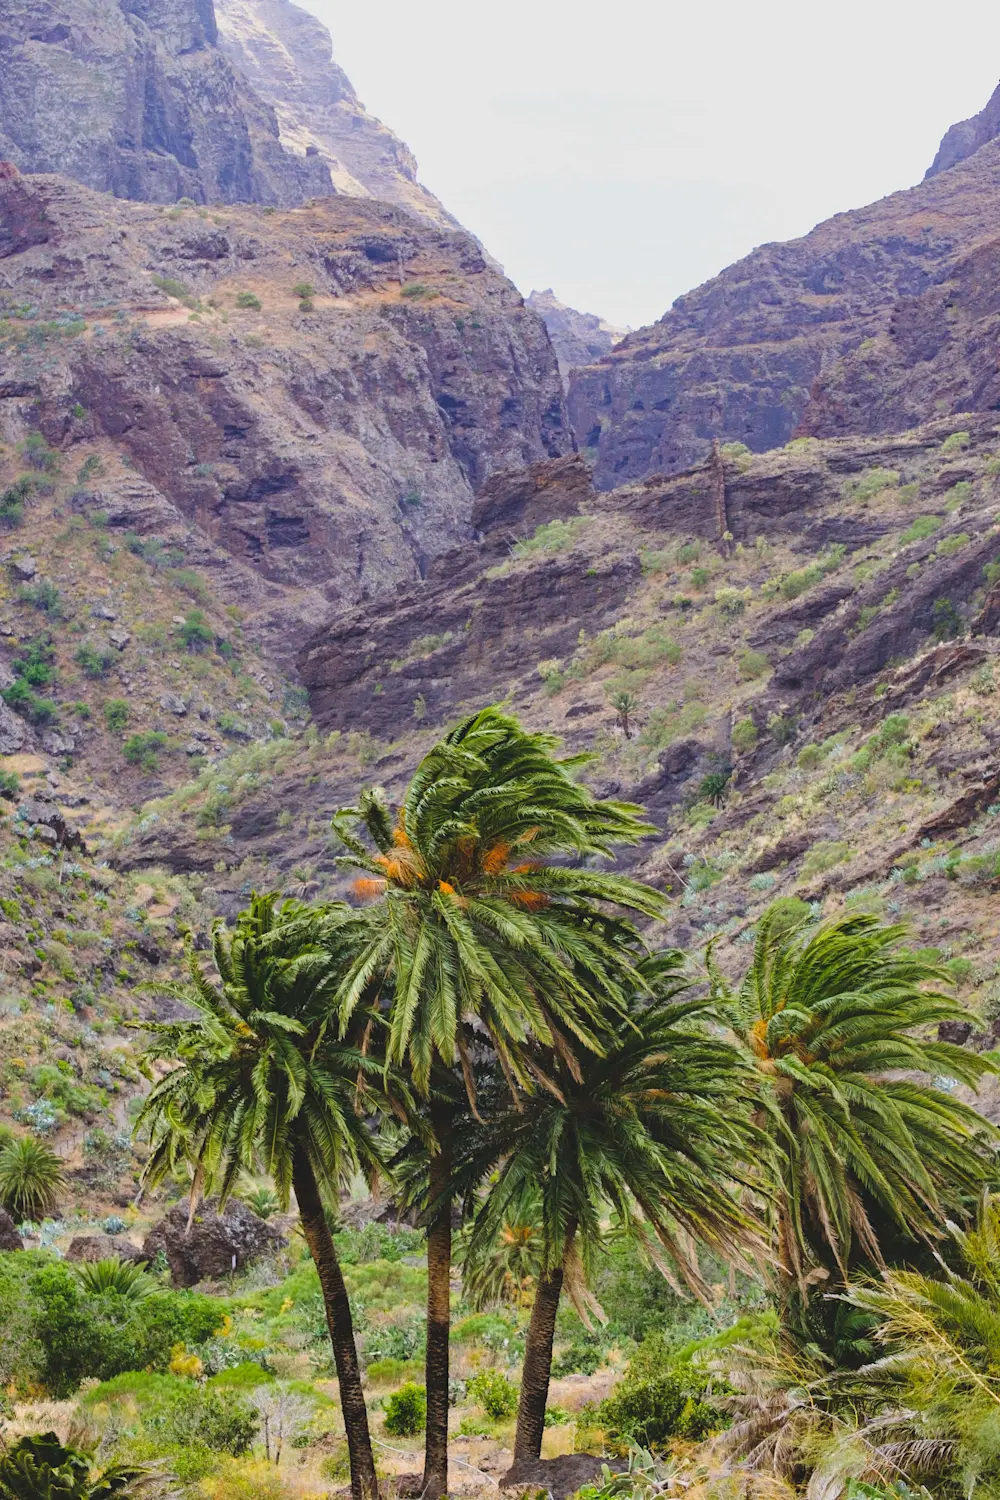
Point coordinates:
[[364, 1480], [435, 1481], [537, 1370]]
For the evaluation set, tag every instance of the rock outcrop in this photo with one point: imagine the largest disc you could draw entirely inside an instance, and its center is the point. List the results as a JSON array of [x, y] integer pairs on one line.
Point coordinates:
[[578, 338], [214, 1246], [137, 99], [317, 449], [285, 52], [10, 1239], [738, 358], [965, 138], [88, 1248]]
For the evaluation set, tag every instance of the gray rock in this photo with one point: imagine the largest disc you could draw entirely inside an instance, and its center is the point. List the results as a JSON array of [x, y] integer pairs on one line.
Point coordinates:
[[119, 639], [102, 612], [9, 1237], [49, 822], [13, 731], [558, 1477], [215, 1245], [172, 704], [23, 566], [137, 100], [94, 1247], [54, 743]]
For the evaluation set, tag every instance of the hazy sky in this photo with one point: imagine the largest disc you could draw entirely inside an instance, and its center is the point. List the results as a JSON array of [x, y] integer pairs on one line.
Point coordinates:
[[621, 152]]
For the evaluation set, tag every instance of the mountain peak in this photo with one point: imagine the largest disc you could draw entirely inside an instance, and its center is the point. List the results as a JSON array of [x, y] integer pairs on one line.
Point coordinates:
[[967, 136]]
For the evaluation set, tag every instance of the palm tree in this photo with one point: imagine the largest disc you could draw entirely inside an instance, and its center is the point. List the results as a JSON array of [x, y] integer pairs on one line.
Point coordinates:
[[652, 1130], [40, 1467], [868, 1143], [31, 1175], [481, 928], [262, 1082]]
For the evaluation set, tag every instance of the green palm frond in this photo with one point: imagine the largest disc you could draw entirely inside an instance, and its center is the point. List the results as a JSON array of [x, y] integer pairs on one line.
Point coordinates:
[[839, 1021]]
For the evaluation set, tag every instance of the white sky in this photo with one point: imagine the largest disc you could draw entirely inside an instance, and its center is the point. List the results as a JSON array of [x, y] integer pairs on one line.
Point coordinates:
[[624, 151]]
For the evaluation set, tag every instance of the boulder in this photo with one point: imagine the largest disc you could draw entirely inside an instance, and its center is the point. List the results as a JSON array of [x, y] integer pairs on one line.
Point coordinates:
[[9, 1237], [215, 1245], [558, 1477], [93, 1247]]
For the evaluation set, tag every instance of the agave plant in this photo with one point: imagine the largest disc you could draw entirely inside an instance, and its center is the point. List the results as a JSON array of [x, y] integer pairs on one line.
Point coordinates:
[[123, 1278], [31, 1175]]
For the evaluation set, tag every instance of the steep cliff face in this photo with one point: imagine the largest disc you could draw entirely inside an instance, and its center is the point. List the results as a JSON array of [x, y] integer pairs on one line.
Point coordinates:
[[578, 338], [286, 54], [967, 136], [135, 98], [330, 443], [738, 358]]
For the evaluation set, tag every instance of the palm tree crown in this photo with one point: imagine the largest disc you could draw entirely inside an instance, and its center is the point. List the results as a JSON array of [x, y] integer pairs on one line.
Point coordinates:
[[258, 1074], [837, 1022], [474, 917]]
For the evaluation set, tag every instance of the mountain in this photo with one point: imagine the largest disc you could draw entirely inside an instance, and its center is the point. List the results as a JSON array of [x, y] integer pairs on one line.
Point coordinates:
[[578, 338], [318, 393], [155, 100], [783, 341], [286, 54], [965, 138]]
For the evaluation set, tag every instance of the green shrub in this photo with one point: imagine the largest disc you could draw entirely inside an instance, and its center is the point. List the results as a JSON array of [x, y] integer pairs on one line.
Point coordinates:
[[920, 529], [658, 1400], [43, 596], [29, 705], [173, 288], [190, 582], [12, 501], [553, 536], [809, 757], [824, 855], [956, 442], [95, 661], [196, 633], [732, 602], [745, 736], [142, 749], [248, 301], [497, 1395], [406, 1411], [952, 544], [753, 664], [873, 483], [946, 622], [116, 715], [10, 785], [782, 728]]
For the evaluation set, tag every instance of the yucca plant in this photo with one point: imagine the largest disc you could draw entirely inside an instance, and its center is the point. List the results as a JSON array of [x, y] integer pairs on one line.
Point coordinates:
[[838, 1022], [31, 1175], [122, 1278], [490, 914], [40, 1467]]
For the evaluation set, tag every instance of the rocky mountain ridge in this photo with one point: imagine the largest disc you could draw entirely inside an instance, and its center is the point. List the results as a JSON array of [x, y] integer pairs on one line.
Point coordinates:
[[753, 355], [317, 393], [578, 338], [157, 100]]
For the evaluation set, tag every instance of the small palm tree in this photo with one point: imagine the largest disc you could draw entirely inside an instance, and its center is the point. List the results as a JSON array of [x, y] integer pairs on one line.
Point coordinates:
[[40, 1467], [262, 1200], [31, 1175], [260, 1082], [867, 1142], [122, 1277], [652, 1129], [505, 1272], [488, 908], [625, 705]]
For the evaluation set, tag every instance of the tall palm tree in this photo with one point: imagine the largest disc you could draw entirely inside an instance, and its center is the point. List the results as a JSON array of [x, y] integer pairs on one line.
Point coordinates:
[[490, 920], [652, 1130], [261, 1082], [868, 1143]]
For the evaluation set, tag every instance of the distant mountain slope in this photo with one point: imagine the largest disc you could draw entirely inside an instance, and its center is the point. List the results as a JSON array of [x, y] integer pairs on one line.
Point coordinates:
[[740, 357], [578, 338], [965, 138], [286, 54]]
